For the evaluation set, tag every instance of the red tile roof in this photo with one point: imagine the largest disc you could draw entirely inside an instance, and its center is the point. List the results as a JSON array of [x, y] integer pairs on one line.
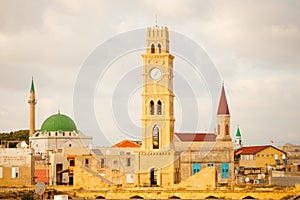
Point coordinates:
[[41, 175], [126, 144], [223, 105], [196, 137], [250, 150]]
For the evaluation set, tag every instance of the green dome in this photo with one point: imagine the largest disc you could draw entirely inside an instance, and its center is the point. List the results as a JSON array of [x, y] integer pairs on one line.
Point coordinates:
[[58, 122]]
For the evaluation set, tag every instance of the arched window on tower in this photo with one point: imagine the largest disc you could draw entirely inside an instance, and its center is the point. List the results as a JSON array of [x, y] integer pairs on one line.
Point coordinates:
[[219, 129], [226, 130], [155, 137], [159, 48], [159, 107], [152, 48], [151, 107]]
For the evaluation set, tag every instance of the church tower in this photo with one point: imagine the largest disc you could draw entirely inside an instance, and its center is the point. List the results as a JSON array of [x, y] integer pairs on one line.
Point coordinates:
[[157, 96], [223, 118], [32, 101]]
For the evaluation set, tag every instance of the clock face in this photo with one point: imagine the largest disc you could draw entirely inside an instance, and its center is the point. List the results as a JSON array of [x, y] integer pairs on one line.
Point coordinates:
[[155, 73]]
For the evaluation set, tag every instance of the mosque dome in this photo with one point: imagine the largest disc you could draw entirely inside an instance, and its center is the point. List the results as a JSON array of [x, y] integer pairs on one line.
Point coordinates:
[[58, 122]]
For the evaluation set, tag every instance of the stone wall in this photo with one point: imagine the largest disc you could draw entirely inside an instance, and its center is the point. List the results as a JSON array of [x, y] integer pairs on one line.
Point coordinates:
[[205, 179]]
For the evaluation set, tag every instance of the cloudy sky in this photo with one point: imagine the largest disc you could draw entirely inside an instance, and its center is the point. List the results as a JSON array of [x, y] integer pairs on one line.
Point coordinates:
[[254, 45]]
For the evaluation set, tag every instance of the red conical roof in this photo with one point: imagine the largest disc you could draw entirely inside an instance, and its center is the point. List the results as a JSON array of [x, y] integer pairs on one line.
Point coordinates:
[[223, 105]]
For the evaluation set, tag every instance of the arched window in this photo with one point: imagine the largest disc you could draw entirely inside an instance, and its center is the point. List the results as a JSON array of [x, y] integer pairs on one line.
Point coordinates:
[[159, 48], [219, 129], [152, 48], [226, 130], [151, 107], [155, 137], [159, 107]]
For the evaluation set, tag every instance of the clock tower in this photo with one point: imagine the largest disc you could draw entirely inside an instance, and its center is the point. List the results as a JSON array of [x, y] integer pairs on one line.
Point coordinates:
[[156, 160], [157, 97]]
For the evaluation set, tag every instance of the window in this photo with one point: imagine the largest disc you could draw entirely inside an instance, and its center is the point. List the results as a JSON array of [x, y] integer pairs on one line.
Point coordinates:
[[151, 107], [128, 162], [247, 157], [130, 178], [63, 133], [155, 137], [210, 164], [159, 48], [86, 162], [159, 106], [219, 129], [226, 129], [15, 172], [115, 162], [152, 48], [225, 170], [55, 133], [72, 162], [102, 163], [195, 168], [70, 145], [1, 172]]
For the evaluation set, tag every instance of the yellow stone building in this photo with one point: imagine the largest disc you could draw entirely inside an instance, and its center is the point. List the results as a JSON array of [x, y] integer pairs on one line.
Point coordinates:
[[256, 162], [16, 167]]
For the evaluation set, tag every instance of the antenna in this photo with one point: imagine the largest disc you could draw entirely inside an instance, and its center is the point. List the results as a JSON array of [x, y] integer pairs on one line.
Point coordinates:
[[156, 20]]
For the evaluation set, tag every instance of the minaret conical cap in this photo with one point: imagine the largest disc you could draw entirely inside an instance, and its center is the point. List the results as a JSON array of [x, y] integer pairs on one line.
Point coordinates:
[[32, 86], [238, 133]]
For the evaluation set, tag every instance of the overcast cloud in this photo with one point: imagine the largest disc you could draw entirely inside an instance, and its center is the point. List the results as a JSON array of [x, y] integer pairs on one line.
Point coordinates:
[[255, 46]]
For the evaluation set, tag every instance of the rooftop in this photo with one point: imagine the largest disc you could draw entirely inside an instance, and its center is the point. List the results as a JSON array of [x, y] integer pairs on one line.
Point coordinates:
[[196, 137]]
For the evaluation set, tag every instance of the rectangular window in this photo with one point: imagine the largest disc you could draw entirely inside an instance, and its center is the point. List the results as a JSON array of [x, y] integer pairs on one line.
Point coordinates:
[[1, 172], [15, 172], [72, 162], [130, 178], [102, 163], [86, 162], [195, 168], [128, 162], [225, 170]]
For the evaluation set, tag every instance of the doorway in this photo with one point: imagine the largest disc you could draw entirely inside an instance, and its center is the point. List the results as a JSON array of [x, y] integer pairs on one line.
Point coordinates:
[[153, 177]]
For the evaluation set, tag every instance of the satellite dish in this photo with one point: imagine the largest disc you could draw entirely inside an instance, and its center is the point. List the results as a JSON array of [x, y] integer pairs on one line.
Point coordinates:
[[40, 188], [24, 145], [247, 179]]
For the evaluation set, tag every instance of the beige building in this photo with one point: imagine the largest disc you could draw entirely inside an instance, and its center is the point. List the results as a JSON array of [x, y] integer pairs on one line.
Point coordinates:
[[16, 167], [293, 154], [257, 162]]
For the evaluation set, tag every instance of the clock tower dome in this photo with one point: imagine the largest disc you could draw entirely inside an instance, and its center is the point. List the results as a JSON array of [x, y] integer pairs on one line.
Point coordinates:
[[157, 96]]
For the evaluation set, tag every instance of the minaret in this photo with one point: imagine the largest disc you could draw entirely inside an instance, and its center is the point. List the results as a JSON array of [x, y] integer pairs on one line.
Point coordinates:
[[238, 139], [32, 101], [223, 118]]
